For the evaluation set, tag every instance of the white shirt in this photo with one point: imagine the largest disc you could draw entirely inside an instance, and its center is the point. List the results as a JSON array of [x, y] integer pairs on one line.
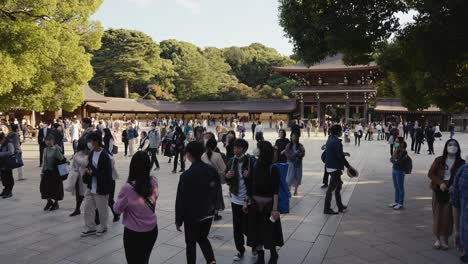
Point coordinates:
[[242, 195], [259, 129], [448, 168], [75, 132], [96, 156]]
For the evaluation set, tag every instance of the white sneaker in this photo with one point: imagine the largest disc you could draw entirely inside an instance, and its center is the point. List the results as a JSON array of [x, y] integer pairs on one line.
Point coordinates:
[[392, 205], [398, 207], [238, 256]]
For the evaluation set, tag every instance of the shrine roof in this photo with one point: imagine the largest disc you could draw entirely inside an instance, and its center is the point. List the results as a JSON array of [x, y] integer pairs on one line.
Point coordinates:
[[329, 64]]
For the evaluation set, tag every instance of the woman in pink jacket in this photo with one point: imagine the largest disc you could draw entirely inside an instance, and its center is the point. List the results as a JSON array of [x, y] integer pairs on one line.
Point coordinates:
[[137, 202]]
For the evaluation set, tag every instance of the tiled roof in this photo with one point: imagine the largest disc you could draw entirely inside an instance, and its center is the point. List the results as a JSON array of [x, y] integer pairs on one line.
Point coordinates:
[[334, 63], [91, 96], [394, 105]]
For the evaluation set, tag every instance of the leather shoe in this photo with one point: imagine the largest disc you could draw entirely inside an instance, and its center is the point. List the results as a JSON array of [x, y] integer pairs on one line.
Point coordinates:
[[343, 209], [324, 186], [330, 212]]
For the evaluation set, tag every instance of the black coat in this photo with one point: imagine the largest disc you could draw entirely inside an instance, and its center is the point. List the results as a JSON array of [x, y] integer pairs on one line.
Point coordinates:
[[41, 137], [334, 155], [103, 173], [197, 193]]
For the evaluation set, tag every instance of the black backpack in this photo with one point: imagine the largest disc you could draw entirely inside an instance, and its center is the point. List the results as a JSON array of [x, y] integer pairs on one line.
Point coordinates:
[[407, 164]]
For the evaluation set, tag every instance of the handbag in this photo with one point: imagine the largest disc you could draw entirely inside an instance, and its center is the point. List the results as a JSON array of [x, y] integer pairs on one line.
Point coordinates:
[[63, 169], [115, 149], [14, 161]]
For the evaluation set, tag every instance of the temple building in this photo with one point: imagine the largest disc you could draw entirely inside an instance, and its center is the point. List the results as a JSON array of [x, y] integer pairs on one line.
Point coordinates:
[[331, 83]]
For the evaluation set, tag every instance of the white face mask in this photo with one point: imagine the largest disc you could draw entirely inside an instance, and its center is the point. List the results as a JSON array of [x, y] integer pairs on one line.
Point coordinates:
[[452, 149], [256, 152], [90, 145]]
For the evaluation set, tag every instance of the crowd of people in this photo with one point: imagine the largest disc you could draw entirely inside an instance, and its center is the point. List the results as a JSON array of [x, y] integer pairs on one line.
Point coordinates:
[[216, 159]]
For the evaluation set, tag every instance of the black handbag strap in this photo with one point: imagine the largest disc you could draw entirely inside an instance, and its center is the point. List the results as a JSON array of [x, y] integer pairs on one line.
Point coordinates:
[[148, 202]]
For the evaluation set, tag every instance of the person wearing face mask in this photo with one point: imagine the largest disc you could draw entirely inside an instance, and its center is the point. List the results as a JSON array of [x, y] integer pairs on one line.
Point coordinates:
[[294, 153], [51, 185], [238, 173], [442, 174], [99, 181], [335, 161], [401, 161]]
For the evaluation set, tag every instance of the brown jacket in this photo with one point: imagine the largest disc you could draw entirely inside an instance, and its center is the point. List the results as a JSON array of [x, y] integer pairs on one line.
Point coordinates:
[[437, 171]]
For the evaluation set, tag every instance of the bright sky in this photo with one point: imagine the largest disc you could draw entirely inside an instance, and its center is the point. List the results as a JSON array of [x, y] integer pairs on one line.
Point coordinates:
[[206, 23]]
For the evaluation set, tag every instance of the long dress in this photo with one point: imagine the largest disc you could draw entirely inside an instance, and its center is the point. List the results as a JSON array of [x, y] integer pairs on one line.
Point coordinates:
[[51, 185], [294, 155], [459, 200]]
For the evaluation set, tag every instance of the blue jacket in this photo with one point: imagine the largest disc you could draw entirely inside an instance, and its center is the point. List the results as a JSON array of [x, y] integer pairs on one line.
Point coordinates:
[[334, 156]]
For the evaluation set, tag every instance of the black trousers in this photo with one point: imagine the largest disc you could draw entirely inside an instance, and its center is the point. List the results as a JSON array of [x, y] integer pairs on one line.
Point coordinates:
[[7, 180], [154, 158], [179, 154], [413, 142], [198, 233], [42, 146], [126, 147], [391, 149], [326, 175], [239, 222], [417, 147], [357, 140], [430, 145], [138, 245], [335, 186], [75, 145]]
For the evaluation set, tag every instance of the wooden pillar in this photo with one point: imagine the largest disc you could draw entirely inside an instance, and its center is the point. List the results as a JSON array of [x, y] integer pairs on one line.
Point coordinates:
[[347, 108]]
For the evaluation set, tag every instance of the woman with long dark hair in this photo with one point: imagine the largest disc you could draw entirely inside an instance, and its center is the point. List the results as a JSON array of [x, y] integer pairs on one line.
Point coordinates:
[[400, 160], [264, 225], [137, 202], [108, 140], [51, 185], [280, 146], [442, 174]]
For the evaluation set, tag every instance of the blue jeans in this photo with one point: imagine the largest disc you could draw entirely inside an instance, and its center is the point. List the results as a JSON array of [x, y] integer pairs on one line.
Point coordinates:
[[399, 185]]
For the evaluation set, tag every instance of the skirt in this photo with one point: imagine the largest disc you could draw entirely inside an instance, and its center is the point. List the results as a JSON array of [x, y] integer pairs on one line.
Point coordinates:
[[51, 186], [442, 215], [294, 176], [261, 231]]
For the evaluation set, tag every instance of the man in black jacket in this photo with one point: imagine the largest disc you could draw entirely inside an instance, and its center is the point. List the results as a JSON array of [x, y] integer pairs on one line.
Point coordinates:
[[196, 203], [44, 131], [98, 179], [335, 162]]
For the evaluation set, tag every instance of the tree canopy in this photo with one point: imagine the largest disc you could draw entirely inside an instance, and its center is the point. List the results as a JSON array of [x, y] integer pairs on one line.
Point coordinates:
[[44, 50], [425, 62], [186, 72]]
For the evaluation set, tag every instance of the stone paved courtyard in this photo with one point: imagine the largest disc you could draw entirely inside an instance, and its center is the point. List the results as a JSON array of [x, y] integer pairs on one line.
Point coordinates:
[[368, 233]]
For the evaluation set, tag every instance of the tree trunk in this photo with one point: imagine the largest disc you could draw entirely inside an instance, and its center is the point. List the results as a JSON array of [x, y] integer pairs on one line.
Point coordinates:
[[126, 94]]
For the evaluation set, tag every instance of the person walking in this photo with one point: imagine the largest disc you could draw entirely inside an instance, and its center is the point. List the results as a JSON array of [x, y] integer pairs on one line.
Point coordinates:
[[154, 137], [459, 200], [137, 203], [401, 161], [215, 160], [451, 129], [280, 146], [294, 152], [430, 138], [195, 205], [42, 134], [238, 173], [335, 161], [125, 141], [442, 174], [51, 186], [419, 139], [259, 131], [7, 149], [108, 140], [358, 131], [253, 126], [309, 127], [98, 179], [75, 135], [75, 179], [264, 225], [178, 146], [132, 136]]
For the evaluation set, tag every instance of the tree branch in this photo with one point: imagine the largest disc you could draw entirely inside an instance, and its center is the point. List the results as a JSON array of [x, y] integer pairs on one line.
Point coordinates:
[[13, 14]]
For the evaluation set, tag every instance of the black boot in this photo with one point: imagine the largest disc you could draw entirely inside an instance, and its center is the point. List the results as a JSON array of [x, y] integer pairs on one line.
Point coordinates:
[[48, 205], [260, 257], [79, 200], [273, 257], [54, 206], [116, 216]]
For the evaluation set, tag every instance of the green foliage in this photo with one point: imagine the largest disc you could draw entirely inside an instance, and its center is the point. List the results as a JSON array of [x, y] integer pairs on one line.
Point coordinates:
[[126, 55], [44, 50], [426, 62], [134, 96]]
